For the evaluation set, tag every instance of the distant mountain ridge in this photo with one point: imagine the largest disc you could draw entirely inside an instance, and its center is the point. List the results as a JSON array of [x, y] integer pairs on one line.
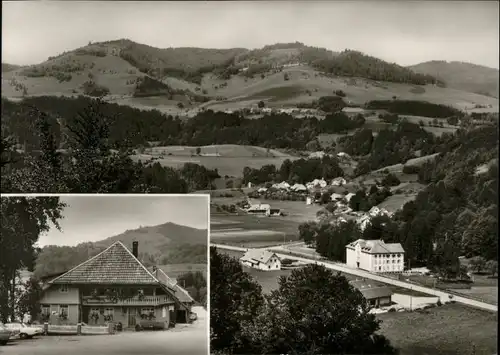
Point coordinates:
[[167, 243], [462, 76], [177, 80]]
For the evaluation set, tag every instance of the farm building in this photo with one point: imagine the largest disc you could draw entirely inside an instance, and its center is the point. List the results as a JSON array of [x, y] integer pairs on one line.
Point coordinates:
[[261, 260], [259, 208], [376, 295], [113, 286], [375, 256]]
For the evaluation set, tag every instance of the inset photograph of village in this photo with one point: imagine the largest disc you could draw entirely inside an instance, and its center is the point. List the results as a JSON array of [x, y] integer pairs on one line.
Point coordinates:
[[97, 274]]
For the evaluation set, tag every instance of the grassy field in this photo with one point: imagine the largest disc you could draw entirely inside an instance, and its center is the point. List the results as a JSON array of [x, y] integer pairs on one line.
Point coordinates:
[[296, 211], [229, 159], [450, 329], [219, 150], [252, 230]]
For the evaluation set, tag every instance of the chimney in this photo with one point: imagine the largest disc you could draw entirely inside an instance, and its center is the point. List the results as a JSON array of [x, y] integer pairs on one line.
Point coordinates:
[[135, 249]]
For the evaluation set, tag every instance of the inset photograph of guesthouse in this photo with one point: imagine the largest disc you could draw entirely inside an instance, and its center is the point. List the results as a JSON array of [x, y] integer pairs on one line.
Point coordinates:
[[129, 269]]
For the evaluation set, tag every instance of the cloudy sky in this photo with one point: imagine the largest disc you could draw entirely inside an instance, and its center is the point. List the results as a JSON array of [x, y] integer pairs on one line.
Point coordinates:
[[405, 32], [93, 218]]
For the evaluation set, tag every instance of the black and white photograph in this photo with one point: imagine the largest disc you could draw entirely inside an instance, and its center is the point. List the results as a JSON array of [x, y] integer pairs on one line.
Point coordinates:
[[348, 149], [104, 274]]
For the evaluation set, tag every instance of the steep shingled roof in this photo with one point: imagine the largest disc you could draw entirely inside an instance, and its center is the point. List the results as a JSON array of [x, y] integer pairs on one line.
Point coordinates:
[[115, 265], [181, 294]]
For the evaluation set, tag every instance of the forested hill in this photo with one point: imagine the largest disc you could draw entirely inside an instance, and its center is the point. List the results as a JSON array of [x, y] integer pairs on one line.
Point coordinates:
[[163, 244], [190, 64], [462, 76]]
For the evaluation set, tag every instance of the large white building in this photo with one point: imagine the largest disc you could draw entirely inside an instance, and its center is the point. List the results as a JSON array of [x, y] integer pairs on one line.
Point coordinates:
[[375, 256], [261, 259]]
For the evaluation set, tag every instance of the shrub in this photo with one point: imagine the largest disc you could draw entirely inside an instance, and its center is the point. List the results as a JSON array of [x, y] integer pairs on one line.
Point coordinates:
[[91, 88], [340, 93]]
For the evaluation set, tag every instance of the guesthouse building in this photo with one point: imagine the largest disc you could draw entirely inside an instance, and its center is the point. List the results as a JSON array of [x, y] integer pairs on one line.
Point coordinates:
[[113, 286], [375, 256], [261, 260]]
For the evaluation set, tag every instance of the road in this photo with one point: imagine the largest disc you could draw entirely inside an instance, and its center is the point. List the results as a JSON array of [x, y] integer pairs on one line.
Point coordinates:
[[189, 339], [444, 296]]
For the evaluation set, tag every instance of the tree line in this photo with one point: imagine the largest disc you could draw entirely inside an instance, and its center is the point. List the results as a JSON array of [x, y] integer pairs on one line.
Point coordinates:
[[89, 164], [414, 108], [296, 171]]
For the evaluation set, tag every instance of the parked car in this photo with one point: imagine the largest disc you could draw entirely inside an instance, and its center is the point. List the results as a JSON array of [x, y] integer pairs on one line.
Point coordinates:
[[4, 335], [149, 325], [24, 331]]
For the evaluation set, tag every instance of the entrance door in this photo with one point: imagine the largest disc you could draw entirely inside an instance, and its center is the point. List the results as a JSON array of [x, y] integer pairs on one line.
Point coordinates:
[[132, 312], [85, 315]]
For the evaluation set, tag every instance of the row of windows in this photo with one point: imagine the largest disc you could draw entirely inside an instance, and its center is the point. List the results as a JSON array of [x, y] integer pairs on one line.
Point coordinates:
[[62, 309], [387, 255], [378, 261]]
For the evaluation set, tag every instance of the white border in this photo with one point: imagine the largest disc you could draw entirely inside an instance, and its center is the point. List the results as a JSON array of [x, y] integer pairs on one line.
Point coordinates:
[[131, 195], [208, 276]]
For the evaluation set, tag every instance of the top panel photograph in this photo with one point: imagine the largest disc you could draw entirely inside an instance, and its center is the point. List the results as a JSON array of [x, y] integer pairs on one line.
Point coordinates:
[[101, 97]]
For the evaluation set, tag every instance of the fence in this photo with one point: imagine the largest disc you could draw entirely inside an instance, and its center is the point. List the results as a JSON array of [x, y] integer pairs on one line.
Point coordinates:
[[413, 302], [78, 329]]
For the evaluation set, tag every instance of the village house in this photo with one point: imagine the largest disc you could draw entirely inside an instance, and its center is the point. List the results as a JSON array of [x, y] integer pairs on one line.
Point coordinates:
[[112, 286], [261, 260], [376, 295], [316, 183], [375, 256], [261, 208], [281, 186]]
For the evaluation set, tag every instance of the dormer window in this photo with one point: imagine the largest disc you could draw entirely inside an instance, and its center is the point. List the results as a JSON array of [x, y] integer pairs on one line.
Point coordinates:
[[63, 288]]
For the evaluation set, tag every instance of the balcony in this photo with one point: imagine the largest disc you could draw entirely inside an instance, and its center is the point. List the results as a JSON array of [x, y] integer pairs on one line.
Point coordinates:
[[134, 301]]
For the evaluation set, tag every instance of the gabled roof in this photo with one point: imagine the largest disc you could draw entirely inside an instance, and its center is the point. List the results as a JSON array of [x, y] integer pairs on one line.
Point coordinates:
[[115, 265], [371, 290], [376, 246], [181, 294], [256, 255]]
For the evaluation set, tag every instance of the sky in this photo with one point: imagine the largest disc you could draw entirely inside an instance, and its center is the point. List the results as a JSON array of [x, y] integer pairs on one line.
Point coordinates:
[[404, 32], [93, 218]]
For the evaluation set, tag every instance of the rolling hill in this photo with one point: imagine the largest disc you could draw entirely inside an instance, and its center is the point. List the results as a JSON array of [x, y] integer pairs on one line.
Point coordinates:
[[6, 67], [462, 76], [183, 80], [163, 244]]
